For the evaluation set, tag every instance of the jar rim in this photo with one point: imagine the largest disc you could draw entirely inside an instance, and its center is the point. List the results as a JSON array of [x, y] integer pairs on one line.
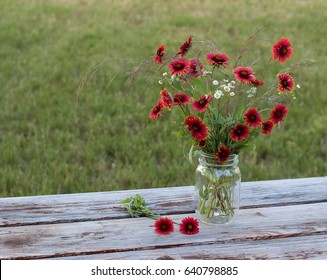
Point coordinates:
[[210, 160]]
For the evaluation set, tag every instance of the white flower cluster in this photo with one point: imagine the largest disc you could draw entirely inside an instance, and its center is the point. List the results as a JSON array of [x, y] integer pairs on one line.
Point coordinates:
[[225, 86]]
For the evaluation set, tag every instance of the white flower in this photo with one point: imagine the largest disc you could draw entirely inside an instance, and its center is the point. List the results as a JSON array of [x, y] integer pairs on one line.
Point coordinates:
[[218, 94], [172, 77], [232, 82], [230, 85], [226, 81], [253, 89], [160, 82], [250, 95], [298, 86], [164, 74], [215, 83], [206, 72], [227, 88], [232, 93]]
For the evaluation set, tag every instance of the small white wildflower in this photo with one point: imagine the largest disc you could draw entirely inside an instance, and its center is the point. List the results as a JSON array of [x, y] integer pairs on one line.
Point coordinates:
[[298, 86], [172, 77], [215, 82], [250, 95], [194, 87], [232, 82], [206, 72], [218, 94], [227, 88], [226, 81], [294, 97], [232, 93], [160, 82], [230, 85], [253, 89], [164, 74]]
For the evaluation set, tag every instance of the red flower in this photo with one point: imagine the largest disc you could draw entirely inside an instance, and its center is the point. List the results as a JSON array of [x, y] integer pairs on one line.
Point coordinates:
[[189, 225], [239, 132], [222, 154], [282, 50], [166, 99], [164, 226], [156, 110], [286, 82], [160, 53], [196, 68], [201, 104], [278, 113], [181, 99], [267, 127], [218, 59], [201, 143], [179, 66], [257, 83], [198, 129], [252, 117], [244, 74], [186, 46]]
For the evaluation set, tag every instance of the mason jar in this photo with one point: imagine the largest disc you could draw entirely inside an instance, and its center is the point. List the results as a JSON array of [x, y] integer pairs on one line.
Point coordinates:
[[217, 189]]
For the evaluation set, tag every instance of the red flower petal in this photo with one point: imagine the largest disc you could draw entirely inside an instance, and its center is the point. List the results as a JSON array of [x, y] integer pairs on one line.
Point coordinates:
[[267, 127], [179, 66], [286, 83], [156, 110], [201, 104], [218, 59], [198, 129], [160, 53], [244, 74], [186, 46]]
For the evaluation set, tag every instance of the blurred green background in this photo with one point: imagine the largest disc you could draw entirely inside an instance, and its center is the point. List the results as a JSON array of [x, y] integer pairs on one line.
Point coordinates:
[[51, 144]]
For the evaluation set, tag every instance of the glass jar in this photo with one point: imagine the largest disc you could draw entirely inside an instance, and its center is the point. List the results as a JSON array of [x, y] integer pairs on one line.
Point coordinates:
[[217, 189]]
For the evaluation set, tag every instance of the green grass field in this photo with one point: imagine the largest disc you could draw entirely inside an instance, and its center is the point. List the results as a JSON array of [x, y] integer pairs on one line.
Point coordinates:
[[51, 144]]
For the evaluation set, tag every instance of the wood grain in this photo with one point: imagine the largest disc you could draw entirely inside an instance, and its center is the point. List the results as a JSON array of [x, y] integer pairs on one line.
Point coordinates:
[[70, 208]]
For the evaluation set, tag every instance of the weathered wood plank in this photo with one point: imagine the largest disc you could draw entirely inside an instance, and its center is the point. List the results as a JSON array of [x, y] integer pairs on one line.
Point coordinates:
[[104, 205], [292, 248], [127, 235]]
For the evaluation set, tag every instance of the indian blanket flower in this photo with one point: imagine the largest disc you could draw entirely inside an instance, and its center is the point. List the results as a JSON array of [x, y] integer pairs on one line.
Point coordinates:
[[189, 225], [198, 129], [257, 83], [160, 53], [218, 59], [179, 66], [286, 82], [252, 117], [282, 50], [166, 99], [181, 99], [164, 225], [239, 132], [266, 127], [244, 74], [156, 110], [278, 113], [201, 104], [186, 46], [196, 68], [223, 154]]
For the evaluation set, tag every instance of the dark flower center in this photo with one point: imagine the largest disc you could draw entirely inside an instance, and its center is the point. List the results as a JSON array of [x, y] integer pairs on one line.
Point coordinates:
[[195, 128], [217, 59], [155, 110], [244, 74], [202, 102], [252, 118], [278, 114], [164, 227], [179, 66], [284, 83], [190, 227], [283, 51]]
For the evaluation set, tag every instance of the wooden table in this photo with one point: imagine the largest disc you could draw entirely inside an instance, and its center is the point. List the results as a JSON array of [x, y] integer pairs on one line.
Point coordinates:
[[281, 219]]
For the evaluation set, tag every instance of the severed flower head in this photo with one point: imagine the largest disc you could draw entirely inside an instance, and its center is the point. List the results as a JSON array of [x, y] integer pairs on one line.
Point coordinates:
[[189, 225]]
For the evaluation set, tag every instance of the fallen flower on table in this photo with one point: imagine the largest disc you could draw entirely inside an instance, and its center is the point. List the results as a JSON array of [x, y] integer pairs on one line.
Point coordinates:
[[135, 206]]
